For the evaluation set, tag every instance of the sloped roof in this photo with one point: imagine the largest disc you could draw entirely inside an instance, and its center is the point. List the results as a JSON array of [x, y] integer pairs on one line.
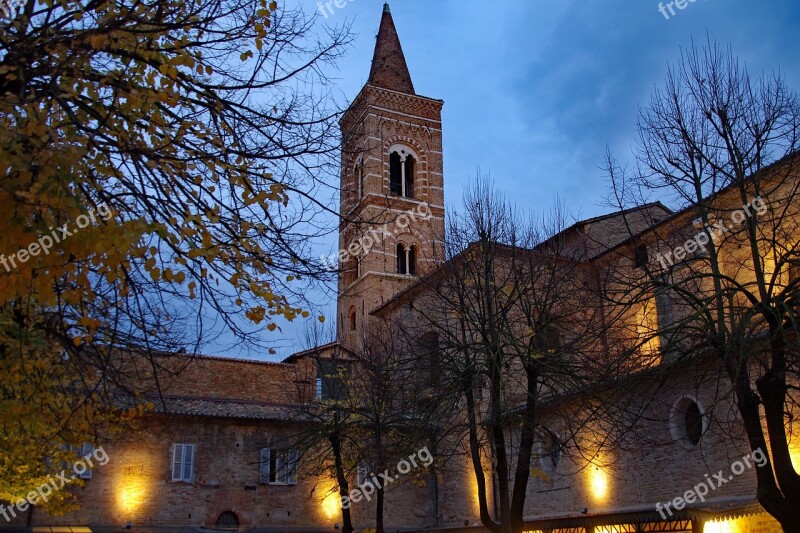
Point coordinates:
[[224, 408]]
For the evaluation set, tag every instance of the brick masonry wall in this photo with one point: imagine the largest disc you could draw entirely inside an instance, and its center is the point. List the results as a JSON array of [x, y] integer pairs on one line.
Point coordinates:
[[135, 485]]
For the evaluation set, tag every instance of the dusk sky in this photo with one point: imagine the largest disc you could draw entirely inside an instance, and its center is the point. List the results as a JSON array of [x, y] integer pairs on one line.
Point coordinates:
[[535, 91]]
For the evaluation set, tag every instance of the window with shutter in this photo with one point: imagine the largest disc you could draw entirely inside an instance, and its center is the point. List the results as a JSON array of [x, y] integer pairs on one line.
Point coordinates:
[[86, 451], [177, 462], [188, 461], [263, 466], [318, 389], [363, 473], [182, 462], [291, 474], [278, 467]]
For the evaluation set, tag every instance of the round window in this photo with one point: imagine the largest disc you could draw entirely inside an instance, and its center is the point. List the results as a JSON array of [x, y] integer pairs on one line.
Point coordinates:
[[687, 422], [550, 451]]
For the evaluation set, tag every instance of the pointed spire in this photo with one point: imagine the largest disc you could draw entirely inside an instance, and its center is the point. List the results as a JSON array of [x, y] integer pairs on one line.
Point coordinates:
[[389, 68]]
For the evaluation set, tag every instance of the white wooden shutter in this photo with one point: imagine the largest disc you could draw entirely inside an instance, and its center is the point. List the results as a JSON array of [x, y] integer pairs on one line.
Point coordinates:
[[188, 462], [363, 472], [86, 451], [177, 462], [291, 468]]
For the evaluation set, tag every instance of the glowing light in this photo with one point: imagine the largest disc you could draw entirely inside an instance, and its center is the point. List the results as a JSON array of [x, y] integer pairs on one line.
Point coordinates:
[[331, 505], [723, 526], [794, 453], [133, 482], [758, 522], [598, 482], [476, 499], [131, 496], [470, 487], [647, 329], [618, 528]]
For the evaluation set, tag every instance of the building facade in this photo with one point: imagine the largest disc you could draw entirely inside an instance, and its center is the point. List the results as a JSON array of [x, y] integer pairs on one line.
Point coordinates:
[[217, 448]]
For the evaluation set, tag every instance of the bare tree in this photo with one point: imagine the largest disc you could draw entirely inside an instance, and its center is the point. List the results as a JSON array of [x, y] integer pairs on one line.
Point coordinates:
[[515, 329], [363, 417], [722, 146]]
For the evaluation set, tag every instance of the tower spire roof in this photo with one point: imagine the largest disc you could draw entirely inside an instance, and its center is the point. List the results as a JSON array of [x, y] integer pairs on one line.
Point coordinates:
[[389, 69]]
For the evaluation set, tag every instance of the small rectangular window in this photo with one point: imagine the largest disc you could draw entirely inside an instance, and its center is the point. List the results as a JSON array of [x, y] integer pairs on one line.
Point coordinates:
[[278, 467], [331, 374], [318, 389], [183, 462], [86, 451], [363, 473], [641, 258]]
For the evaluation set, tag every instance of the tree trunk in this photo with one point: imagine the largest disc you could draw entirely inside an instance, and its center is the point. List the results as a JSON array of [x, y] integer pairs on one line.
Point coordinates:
[[341, 480], [527, 438], [379, 511], [477, 466]]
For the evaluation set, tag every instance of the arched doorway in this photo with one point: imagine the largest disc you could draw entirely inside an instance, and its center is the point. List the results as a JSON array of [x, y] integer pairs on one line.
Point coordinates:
[[227, 520]]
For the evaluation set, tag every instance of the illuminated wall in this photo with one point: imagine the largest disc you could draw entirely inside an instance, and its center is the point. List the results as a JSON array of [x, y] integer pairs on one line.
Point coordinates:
[[133, 484], [761, 523]]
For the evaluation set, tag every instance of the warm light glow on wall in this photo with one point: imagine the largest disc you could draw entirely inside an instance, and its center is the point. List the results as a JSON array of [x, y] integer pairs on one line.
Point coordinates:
[[794, 453], [598, 482], [471, 490], [332, 505], [133, 482], [747, 524], [725, 526], [132, 495], [476, 499], [647, 328]]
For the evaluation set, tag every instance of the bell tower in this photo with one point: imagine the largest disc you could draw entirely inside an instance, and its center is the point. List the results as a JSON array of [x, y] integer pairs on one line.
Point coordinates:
[[392, 187]]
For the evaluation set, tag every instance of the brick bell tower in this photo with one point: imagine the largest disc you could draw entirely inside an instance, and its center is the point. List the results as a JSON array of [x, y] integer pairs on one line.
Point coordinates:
[[392, 187]]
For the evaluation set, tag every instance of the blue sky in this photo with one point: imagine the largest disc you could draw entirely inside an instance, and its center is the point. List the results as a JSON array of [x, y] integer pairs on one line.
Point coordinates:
[[536, 90]]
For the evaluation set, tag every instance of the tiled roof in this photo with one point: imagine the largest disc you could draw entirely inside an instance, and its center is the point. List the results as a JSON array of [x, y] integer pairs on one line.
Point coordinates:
[[225, 408]]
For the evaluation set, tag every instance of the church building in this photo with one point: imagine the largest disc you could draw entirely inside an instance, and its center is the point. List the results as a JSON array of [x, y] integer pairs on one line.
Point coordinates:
[[213, 452]]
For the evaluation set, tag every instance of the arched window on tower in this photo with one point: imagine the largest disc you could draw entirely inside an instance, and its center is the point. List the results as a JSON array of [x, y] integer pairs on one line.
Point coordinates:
[[395, 174], [402, 171], [408, 178], [401, 259], [407, 260]]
